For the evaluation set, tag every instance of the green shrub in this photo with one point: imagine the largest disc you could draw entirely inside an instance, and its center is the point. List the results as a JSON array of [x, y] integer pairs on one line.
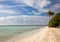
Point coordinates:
[[55, 21]]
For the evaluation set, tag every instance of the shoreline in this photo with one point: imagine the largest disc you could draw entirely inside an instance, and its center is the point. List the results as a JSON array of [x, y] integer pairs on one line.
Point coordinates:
[[32, 37], [18, 35], [45, 34]]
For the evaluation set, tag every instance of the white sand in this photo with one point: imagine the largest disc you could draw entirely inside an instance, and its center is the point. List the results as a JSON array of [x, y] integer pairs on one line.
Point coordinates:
[[54, 35], [43, 35]]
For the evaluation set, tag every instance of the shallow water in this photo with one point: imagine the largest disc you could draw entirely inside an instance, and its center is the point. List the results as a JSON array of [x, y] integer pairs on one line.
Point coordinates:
[[8, 32]]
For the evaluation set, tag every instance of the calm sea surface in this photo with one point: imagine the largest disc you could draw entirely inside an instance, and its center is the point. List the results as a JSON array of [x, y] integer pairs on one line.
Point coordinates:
[[7, 32]]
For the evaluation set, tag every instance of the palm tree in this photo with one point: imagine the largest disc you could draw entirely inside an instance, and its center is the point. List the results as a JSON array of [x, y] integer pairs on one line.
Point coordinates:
[[50, 13]]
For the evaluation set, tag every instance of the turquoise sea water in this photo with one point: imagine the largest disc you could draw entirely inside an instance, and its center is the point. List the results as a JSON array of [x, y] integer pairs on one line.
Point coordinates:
[[8, 32]]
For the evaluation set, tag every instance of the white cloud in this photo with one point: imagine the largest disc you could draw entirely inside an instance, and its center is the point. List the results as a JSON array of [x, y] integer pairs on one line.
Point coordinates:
[[42, 3], [42, 10], [35, 3], [6, 11], [24, 20], [8, 6], [34, 12], [3, 0], [38, 4], [55, 7], [28, 2]]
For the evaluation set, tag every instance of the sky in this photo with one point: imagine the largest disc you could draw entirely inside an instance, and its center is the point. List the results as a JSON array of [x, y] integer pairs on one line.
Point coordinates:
[[27, 12]]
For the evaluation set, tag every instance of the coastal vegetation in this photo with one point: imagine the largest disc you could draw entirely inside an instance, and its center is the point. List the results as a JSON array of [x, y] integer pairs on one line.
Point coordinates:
[[55, 20], [50, 13]]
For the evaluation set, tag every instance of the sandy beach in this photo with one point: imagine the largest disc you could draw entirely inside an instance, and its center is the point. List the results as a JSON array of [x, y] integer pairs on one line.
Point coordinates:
[[45, 34]]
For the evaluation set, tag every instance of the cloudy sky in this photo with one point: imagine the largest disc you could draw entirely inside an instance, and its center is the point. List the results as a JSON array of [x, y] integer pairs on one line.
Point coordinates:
[[27, 12]]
